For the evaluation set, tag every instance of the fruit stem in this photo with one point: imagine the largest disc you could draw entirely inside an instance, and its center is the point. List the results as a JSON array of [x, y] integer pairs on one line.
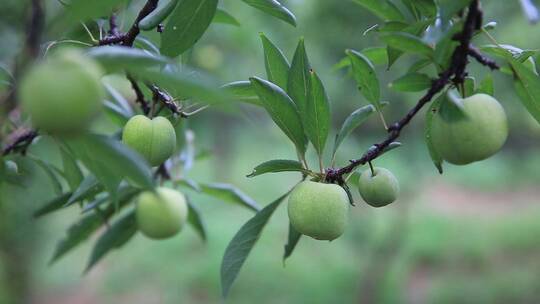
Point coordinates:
[[371, 168]]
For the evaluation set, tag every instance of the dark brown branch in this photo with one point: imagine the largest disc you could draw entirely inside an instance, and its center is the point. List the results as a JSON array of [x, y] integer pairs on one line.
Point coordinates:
[[139, 95], [19, 141], [149, 7], [456, 73], [476, 54]]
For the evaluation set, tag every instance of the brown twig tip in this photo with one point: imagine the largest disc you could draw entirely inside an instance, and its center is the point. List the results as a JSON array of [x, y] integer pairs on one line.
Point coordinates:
[[19, 141], [476, 54], [455, 73]]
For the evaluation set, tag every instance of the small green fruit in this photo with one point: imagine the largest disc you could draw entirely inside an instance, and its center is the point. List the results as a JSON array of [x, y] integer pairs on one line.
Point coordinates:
[[318, 210], [477, 136], [380, 189], [63, 94], [161, 214], [154, 139]]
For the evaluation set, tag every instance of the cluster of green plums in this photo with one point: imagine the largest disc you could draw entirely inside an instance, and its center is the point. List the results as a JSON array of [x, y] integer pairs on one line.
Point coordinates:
[[319, 210], [64, 93]]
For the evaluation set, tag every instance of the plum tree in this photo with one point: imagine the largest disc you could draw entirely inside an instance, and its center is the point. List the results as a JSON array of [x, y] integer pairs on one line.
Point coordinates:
[[63, 93], [378, 188], [154, 139], [318, 210], [474, 136], [161, 214]]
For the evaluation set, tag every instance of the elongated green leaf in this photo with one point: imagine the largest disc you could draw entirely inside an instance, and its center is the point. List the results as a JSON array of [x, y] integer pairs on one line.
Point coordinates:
[[240, 246], [229, 193], [352, 122], [383, 9], [527, 86], [86, 226], [411, 82], [435, 156], [277, 165], [125, 194], [292, 241], [450, 7], [273, 8], [377, 56], [190, 85], [282, 111], [242, 91], [407, 43], [50, 172], [195, 220], [72, 172], [111, 161], [418, 8], [365, 77], [469, 86], [317, 118], [118, 58], [53, 205], [277, 66], [115, 237], [224, 17], [88, 187], [486, 85], [186, 25], [164, 9], [298, 86], [84, 10]]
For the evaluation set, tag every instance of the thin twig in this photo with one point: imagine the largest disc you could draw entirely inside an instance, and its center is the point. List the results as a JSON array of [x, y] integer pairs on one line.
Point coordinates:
[[139, 95], [19, 141]]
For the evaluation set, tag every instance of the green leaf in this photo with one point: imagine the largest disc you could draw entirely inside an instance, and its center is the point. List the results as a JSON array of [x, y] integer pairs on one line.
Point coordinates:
[[88, 187], [407, 43], [365, 77], [84, 228], [273, 8], [229, 193], [469, 86], [115, 237], [118, 58], [195, 220], [427, 8], [223, 17], [240, 246], [282, 111], [448, 8], [527, 86], [383, 9], [377, 56], [186, 25], [242, 91], [125, 193], [298, 86], [393, 145], [317, 118], [84, 10], [71, 171], [190, 85], [353, 121], [111, 161], [435, 156], [486, 85], [411, 82], [50, 172], [277, 165], [53, 205], [292, 241], [277, 66], [162, 11]]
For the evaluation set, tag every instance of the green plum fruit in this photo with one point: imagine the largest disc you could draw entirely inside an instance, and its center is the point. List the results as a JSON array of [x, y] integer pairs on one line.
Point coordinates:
[[476, 136], [154, 139], [161, 214], [378, 188], [318, 210], [62, 94]]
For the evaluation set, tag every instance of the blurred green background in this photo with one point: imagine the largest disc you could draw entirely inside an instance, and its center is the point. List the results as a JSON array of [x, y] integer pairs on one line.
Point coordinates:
[[471, 235]]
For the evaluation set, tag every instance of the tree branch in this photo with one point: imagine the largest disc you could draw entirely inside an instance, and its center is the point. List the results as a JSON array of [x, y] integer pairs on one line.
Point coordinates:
[[19, 141], [456, 73], [139, 95]]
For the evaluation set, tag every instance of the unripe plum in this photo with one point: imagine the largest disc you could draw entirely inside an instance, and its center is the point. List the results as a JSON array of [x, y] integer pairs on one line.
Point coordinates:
[[378, 188]]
